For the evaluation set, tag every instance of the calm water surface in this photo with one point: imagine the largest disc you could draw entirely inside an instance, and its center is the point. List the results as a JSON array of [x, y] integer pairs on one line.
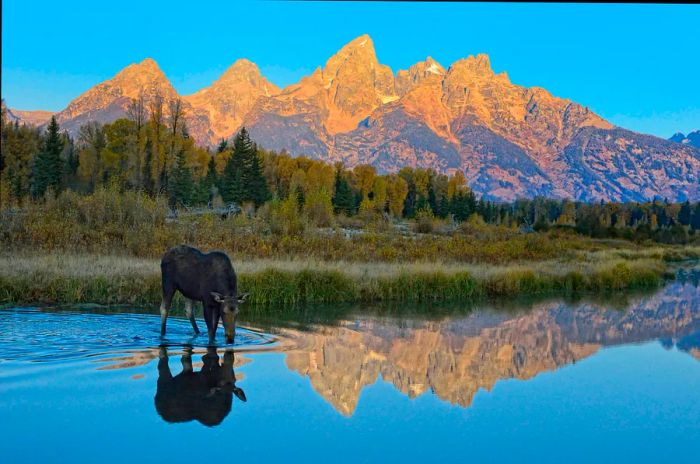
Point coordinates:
[[553, 382]]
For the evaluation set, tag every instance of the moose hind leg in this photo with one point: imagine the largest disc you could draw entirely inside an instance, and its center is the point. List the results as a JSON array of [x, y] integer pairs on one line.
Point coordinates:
[[164, 308], [189, 311]]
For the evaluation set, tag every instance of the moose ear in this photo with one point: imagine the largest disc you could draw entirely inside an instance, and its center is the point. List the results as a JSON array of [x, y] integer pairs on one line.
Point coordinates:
[[243, 297], [218, 297], [239, 394]]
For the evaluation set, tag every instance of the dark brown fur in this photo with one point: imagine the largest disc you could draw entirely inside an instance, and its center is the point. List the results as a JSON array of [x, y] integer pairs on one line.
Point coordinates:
[[204, 396], [205, 277]]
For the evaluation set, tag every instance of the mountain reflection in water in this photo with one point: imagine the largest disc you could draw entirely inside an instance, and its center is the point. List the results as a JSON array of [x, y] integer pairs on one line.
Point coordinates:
[[456, 357]]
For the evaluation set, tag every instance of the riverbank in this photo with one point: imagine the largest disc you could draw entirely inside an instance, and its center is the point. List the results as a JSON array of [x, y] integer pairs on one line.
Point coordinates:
[[66, 278]]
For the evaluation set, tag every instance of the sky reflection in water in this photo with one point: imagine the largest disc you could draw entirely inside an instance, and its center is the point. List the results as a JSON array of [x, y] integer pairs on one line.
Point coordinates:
[[557, 382]]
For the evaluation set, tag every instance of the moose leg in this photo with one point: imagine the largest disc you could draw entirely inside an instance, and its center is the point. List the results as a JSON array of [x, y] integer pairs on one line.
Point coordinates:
[[189, 310], [163, 366], [165, 307], [212, 326], [186, 360]]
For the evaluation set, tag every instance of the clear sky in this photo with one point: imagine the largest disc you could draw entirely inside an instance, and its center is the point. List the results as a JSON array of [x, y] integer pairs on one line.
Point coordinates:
[[636, 65]]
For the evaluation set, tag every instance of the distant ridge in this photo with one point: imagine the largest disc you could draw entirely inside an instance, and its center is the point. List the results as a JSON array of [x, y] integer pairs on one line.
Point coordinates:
[[692, 139]]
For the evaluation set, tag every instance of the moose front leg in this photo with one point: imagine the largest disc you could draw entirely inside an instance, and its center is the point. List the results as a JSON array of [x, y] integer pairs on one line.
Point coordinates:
[[189, 311], [212, 326], [186, 360], [163, 366]]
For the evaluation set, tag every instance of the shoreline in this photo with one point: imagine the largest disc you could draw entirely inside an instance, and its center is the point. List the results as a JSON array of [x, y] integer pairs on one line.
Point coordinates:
[[64, 278]]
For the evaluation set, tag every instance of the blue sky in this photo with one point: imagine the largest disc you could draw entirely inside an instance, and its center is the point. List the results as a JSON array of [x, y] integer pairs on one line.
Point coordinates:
[[635, 65]]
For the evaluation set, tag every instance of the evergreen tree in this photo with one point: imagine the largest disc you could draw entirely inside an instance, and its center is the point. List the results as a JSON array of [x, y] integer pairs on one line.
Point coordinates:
[[147, 172], [181, 186], [409, 204], [301, 198], [231, 187], [48, 165], [684, 214], [163, 179], [444, 206], [343, 198], [258, 191], [71, 157], [243, 178], [432, 200], [695, 218], [223, 145], [421, 203], [208, 183]]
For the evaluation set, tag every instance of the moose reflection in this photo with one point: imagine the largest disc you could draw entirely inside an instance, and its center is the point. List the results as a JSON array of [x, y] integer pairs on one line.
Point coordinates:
[[205, 396]]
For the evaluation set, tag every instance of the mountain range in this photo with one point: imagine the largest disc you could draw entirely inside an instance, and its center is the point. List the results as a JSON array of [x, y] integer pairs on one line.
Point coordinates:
[[510, 141], [692, 139]]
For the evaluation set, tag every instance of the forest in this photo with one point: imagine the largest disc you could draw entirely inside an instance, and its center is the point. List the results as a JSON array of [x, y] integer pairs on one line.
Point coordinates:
[[150, 152]]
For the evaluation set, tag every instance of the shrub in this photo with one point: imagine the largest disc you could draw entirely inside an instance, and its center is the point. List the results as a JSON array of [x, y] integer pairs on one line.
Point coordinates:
[[424, 222]]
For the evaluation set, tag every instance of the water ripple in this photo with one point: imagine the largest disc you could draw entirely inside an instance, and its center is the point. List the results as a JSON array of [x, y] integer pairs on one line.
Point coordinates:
[[31, 334]]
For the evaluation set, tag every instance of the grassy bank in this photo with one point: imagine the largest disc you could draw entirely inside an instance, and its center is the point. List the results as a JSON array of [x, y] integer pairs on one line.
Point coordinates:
[[136, 225], [85, 278], [105, 248]]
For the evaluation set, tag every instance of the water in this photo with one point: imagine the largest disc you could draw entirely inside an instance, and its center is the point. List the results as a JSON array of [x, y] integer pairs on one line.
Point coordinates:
[[553, 382]]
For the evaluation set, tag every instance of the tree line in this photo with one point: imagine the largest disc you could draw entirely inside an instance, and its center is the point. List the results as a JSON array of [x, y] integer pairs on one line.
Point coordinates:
[[151, 151]]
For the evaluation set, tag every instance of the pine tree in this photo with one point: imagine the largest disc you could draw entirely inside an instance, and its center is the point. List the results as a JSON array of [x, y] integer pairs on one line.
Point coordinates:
[[48, 165], [301, 197], [343, 198], [231, 181], [71, 157], [444, 206], [243, 178], [409, 204], [181, 186], [695, 218], [684, 214], [255, 180], [208, 183], [147, 172], [432, 200]]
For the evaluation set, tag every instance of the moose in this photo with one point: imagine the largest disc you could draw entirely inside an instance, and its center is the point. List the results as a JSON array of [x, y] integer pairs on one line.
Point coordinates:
[[205, 277], [205, 396]]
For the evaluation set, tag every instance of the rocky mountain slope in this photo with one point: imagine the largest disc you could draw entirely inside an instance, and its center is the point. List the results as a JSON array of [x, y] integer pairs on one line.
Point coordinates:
[[510, 141], [229, 99]]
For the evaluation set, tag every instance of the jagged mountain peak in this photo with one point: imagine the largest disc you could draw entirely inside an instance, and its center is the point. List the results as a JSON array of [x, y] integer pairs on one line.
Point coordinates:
[[353, 84], [240, 76], [228, 100], [241, 69], [427, 70], [433, 66], [479, 65], [692, 139], [138, 73], [109, 99], [362, 43], [358, 53]]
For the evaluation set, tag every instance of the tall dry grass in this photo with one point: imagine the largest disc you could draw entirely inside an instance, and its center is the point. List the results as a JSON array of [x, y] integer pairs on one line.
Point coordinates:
[[80, 278]]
